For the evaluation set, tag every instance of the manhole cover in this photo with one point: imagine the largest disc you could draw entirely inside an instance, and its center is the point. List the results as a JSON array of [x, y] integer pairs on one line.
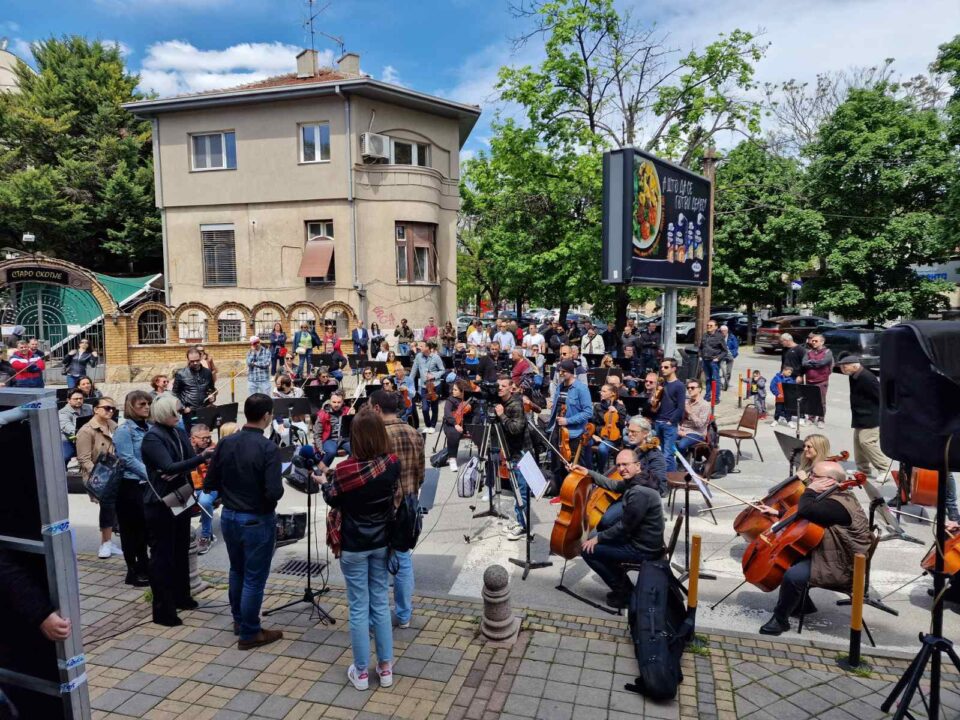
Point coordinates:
[[298, 568]]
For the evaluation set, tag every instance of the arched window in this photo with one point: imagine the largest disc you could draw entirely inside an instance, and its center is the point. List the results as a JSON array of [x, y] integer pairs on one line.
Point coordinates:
[[192, 328], [231, 326], [152, 328], [302, 315], [265, 319]]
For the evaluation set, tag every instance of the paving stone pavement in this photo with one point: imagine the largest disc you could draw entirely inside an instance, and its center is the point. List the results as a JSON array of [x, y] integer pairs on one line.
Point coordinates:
[[561, 667]]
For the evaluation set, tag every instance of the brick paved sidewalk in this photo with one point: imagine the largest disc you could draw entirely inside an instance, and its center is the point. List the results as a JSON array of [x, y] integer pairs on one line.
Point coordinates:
[[563, 666]]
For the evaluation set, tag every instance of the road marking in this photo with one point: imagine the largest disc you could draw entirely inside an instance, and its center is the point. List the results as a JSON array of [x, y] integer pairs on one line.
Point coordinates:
[[490, 548]]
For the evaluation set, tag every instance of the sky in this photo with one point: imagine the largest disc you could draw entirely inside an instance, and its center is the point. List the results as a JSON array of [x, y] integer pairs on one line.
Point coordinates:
[[453, 48]]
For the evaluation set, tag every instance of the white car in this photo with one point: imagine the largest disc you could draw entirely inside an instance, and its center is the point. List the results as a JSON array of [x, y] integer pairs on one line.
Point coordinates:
[[686, 331]]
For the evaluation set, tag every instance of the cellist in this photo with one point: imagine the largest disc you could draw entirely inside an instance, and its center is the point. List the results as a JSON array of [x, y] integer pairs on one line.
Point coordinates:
[[636, 535], [830, 564]]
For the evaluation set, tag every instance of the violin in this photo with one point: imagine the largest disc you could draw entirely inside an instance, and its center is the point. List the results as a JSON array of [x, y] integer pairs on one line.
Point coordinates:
[[611, 425], [783, 496], [951, 557], [463, 409], [778, 548], [657, 396], [405, 391], [432, 391], [563, 436], [571, 522]]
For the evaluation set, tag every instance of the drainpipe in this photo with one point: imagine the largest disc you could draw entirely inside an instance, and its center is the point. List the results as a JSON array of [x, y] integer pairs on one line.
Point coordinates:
[[158, 182], [361, 293]]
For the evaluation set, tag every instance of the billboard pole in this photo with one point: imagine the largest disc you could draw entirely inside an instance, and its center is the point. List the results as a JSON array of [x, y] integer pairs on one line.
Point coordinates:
[[704, 294]]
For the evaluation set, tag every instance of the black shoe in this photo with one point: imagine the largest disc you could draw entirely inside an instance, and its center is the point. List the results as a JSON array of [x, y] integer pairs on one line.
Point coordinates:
[[189, 604], [167, 620], [808, 609], [775, 626], [618, 600], [137, 580]]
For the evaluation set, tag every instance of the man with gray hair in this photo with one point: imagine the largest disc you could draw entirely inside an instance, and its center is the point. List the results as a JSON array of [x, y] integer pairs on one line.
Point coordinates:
[[830, 564]]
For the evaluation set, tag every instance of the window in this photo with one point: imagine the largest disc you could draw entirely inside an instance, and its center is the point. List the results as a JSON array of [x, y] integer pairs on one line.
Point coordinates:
[[314, 142], [231, 327], [192, 327], [263, 322], [219, 256], [152, 328], [215, 151], [410, 153], [416, 253], [318, 229]]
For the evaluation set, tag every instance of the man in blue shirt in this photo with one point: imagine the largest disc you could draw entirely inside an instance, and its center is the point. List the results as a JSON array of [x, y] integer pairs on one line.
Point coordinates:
[[670, 413], [574, 397], [427, 367]]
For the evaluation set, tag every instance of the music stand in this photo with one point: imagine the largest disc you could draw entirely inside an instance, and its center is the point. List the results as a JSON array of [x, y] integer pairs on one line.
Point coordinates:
[[633, 404], [318, 395], [596, 376], [447, 361], [805, 398], [81, 421], [406, 361], [379, 368], [288, 407], [593, 359], [791, 447]]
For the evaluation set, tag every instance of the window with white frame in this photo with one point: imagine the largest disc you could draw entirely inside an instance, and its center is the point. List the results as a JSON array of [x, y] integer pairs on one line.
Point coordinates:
[[416, 250], [404, 152], [219, 255], [318, 229], [214, 151], [314, 142]]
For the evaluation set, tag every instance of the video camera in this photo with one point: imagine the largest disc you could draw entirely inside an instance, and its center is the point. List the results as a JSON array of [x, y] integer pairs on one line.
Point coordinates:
[[300, 473]]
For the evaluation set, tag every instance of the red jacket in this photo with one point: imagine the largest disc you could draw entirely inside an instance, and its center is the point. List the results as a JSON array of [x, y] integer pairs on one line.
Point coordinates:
[[325, 417], [21, 363]]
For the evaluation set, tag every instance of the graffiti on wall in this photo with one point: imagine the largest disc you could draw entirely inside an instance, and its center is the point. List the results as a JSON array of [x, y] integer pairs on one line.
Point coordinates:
[[384, 318]]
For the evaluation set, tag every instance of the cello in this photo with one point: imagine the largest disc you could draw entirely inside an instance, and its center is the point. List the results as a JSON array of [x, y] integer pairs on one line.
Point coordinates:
[[951, 556], [601, 499], [773, 552], [571, 521], [783, 496]]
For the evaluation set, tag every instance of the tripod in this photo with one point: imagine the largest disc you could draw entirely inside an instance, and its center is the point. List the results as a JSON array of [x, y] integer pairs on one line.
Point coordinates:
[[932, 644], [491, 478], [309, 594]]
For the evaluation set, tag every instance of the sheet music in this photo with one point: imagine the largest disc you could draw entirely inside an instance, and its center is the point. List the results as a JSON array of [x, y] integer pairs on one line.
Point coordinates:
[[704, 486], [532, 474]]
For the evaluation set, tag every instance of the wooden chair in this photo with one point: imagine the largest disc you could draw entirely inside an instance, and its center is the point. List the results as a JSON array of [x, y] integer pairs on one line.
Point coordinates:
[[868, 598], [679, 480], [746, 430]]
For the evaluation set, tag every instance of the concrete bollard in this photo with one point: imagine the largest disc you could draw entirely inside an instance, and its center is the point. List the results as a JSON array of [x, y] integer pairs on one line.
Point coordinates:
[[498, 622], [196, 584]]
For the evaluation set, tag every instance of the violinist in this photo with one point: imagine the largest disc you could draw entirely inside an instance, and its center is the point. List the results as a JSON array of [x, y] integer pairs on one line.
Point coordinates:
[[635, 536], [454, 418], [615, 380], [428, 369], [830, 564], [670, 412], [574, 398], [408, 412], [514, 423], [696, 418], [610, 416]]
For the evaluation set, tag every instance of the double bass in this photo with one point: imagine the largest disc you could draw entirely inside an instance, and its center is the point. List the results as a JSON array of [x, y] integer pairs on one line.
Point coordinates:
[[773, 552], [783, 496], [571, 521]]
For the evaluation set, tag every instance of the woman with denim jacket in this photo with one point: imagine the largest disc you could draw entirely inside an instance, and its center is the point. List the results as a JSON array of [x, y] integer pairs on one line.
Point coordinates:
[[133, 527]]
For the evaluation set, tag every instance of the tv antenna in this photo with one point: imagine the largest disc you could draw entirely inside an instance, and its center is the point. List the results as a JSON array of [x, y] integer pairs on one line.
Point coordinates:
[[312, 15]]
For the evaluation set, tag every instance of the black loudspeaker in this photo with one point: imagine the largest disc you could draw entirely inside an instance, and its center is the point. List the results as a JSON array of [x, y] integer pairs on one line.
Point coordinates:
[[920, 392]]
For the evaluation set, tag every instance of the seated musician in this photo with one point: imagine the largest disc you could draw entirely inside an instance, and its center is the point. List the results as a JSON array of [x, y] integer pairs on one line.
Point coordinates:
[[284, 388], [647, 393], [630, 364], [816, 448], [523, 371], [452, 430], [830, 564], [639, 436], [608, 399], [635, 535], [696, 418], [606, 362], [392, 362], [323, 379], [408, 412], [337, 360], [327, 436], [615, 380]]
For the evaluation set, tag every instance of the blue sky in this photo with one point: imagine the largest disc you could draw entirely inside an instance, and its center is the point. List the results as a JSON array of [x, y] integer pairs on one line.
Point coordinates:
[[453, 48]]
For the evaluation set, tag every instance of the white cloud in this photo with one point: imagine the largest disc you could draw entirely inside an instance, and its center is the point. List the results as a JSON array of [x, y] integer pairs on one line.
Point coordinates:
[[124, 49], [174, 66], [9, 27], [391, 75], [22, 49]]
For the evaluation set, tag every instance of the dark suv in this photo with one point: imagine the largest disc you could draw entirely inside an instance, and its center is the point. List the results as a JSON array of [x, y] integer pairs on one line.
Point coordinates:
[[864, 342], [799, 327]]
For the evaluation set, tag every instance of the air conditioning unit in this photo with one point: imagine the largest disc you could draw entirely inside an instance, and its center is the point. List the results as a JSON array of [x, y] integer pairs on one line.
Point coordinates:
[[374, 146]]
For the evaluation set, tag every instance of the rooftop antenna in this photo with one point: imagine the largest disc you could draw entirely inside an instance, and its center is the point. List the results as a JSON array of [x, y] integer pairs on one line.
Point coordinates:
[[312, 15]]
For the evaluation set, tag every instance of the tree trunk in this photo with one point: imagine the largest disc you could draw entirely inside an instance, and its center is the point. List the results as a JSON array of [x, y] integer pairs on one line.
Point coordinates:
[[476, 308], [621, 303], [562, 315], [519, 308], [495, 303], [749, 323]]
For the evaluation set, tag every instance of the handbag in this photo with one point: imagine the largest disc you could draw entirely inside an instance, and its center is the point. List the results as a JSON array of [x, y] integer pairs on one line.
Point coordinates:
[[281, 352], [440, 458], [469, 478], [180, 499], [104, 480], [334, 527], [404, 529]]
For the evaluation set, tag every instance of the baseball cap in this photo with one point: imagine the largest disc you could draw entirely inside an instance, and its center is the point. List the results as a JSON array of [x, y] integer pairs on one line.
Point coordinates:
[[254, 339], [568, 366]]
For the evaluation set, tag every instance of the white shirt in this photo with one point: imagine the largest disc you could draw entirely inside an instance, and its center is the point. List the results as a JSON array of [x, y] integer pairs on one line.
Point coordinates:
[[475, 338], [381, 356], [530, 340], [507, 339], [592, 346]]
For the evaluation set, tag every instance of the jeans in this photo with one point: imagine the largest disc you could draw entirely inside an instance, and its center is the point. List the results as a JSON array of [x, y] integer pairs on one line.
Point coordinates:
[[258, 386], [607, 560], [711, 372], [667, 432], [603, 454], [72, 381], [69, 450], [524, 490], [611, 517], [795, 581], [726, 370], [337, 375], [330, 448], [403, 586], [365, 574], [206, 500], [953, 513], [688, 441], [780, 410], [274, 361], [250, 540], [304, 362], [403, 348], [429, 410]]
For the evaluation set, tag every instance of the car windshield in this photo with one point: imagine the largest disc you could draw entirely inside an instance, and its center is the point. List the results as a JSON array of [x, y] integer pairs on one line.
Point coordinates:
[[769, 324]]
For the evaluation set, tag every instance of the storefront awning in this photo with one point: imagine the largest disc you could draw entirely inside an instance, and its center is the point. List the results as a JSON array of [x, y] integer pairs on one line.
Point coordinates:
[[316, 258]]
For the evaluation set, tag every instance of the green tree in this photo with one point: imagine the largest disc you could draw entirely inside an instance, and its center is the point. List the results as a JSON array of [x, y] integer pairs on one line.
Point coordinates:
[[761, 231], [76, 168], [948, 63], [878, 172]]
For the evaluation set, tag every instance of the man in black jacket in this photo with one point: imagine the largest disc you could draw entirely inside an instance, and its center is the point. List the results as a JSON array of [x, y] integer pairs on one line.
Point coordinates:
[[649, 341], [513, 421], [865, 415], [713, 349], [489, 364], [245, 471], [792, 356], [193, 386], [637, 534]]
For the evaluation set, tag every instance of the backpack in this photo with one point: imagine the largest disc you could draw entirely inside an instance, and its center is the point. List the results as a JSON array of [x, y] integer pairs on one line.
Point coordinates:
[[726, 464], [469, 478], [404, 530], [440, 458], [660, 627]]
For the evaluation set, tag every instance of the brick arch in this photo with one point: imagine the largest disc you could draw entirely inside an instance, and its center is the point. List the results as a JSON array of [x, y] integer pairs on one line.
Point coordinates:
[[352, 320], [268, 304], [318, 316], [181, 309], [143, 307], [107, 304], [244, 310]]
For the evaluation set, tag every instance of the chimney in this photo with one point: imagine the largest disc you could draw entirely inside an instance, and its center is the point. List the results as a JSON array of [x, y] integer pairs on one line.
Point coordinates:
[[307, 64], [349, 63]]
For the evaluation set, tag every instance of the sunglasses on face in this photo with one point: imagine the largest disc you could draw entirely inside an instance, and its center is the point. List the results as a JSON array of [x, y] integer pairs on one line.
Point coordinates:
[[107, 408]]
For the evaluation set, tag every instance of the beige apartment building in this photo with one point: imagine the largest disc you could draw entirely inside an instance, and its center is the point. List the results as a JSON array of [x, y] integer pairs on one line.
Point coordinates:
[[319, 192]]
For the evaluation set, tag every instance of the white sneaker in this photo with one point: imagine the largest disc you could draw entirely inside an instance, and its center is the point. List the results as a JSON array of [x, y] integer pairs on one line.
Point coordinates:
[[452, 464], [516, 532], [783, 421], [774, 423], [803, 421], [386, 674], [820, 423], [431, 430], [105, 551], [360, 679], [114, 550]]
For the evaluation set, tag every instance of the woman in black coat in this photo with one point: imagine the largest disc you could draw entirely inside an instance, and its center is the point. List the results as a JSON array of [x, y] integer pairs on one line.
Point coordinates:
[[169, 458]]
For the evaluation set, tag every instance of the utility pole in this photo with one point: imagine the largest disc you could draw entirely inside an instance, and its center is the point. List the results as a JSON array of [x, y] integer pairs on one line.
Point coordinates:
[[705, 294]]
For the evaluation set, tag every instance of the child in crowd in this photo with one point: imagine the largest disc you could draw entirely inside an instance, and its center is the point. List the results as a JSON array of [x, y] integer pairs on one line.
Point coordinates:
[[758, 393], [781, 413]]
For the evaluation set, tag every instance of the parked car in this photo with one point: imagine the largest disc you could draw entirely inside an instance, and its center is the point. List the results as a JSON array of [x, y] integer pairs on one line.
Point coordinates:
[[735, 321], [858, 341], [799, 326], [463, 322], [686, 328]]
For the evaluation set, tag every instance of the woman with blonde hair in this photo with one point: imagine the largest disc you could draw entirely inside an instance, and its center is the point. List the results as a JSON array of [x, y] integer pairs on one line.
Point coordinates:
[[816, 448], [94, 440]]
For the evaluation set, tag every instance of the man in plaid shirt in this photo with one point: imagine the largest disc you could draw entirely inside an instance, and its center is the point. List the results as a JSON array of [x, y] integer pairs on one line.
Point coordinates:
[[258, 368], [407, 444]]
